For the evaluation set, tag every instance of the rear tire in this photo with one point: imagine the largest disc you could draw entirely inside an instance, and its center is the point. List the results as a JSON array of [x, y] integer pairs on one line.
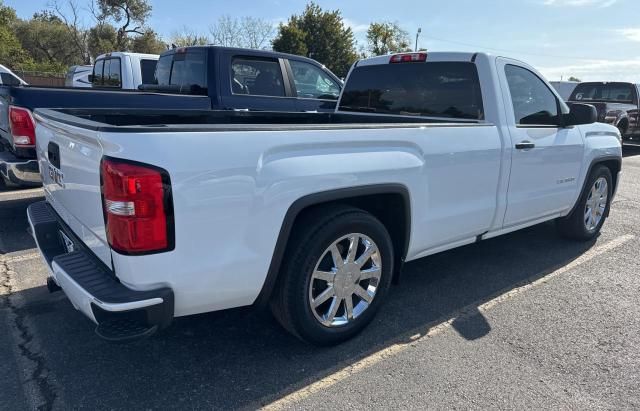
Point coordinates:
[[318, 298], [591, 211]]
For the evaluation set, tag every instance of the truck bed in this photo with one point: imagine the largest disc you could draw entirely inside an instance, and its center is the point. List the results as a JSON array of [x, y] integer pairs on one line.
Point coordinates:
[[140, 120]]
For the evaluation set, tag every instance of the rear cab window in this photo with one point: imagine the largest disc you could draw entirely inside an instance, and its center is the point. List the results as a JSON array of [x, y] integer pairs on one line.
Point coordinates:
[[147, 69], [436, 89], [608, 92], [183, 72]]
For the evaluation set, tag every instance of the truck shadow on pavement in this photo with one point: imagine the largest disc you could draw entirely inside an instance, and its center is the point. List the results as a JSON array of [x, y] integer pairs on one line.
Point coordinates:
[[242, 358], [14, 234]]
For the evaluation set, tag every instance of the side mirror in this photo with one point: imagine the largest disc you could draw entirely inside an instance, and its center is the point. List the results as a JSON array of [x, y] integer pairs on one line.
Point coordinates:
[[580, 114]]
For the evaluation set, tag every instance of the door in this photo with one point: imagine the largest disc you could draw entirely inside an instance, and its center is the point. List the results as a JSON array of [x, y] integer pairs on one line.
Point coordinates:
[[314, 88], [546, 158], [257, 83]]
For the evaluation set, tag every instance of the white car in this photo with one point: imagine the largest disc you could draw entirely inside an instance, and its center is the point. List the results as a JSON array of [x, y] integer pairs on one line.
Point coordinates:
[[124, 70], [153, 215], [9, 78], [78, 76]]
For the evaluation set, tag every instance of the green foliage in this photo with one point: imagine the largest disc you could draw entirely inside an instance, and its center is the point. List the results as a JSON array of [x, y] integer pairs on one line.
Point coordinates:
[[321, 35], [187, 37], [48, 40], [387, 37], [102, 39], [129, 16], [148, 42], [572, 78], [7, 15]]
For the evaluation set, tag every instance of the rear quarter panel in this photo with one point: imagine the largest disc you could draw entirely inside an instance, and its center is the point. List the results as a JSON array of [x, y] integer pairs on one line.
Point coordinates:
[[231, 191]]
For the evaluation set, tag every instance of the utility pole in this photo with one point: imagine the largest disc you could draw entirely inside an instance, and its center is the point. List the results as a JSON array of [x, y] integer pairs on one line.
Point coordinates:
[[418, 35]]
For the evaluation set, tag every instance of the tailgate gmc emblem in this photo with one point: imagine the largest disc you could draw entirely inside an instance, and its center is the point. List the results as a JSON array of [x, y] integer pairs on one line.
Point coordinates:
[[56, 175]]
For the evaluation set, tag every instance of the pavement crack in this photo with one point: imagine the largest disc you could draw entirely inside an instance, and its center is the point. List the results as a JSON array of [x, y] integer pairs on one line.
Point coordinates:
[[24, 338]]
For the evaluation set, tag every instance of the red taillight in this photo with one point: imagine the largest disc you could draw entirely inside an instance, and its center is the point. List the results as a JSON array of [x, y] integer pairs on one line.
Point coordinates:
[[137, 207], [23, 130], [408, 58]]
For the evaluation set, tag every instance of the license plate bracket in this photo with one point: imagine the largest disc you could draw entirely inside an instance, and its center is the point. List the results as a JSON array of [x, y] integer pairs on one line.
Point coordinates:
[[67, 242]]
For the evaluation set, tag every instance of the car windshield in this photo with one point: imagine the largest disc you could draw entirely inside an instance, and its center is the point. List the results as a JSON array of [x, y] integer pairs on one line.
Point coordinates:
[[612, 92]]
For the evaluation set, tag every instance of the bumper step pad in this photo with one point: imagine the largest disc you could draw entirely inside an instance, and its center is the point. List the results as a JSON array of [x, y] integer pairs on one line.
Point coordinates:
[[122, 314]]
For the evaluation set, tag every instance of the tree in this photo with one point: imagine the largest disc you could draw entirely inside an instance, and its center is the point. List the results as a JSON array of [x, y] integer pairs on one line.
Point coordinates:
[[46, 38], [247, 32], [148, 42], [574, 79], [321, 35], [70, 16], [11, 52], [102, 39], [128, 16], [385, 38], [187, 37]]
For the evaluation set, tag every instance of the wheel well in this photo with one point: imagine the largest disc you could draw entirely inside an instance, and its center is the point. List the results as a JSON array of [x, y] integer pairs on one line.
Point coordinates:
[[388, 203], [624, 123], [613, 166]]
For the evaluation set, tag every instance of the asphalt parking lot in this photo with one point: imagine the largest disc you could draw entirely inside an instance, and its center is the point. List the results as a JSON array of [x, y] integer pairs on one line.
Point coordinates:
[[528, 320]]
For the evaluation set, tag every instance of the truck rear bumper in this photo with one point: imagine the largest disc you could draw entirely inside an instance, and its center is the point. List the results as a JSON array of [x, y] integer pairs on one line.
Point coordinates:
[[119, 312], [18, 170]]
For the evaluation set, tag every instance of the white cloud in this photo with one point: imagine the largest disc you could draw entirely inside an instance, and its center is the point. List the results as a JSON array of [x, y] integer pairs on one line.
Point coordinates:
[[630, 34], [580, 3], [356, 27], [597, 70]]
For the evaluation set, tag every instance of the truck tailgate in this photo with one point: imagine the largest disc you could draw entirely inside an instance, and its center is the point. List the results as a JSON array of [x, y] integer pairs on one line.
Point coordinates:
[[69, 160]]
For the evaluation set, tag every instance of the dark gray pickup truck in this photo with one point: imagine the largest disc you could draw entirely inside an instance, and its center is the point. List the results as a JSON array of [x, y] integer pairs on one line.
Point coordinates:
[[191, 78], [617, 104]]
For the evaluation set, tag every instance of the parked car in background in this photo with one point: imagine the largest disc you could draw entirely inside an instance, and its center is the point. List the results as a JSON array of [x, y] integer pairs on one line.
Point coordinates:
[[120, 70], [9, 78], [617, 103], [78, 76], [151, 215], [203, 78], [564, 88], [244, 79]]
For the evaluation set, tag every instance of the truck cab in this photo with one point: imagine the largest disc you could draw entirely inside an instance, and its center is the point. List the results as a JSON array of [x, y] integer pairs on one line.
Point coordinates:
[[246, 79], [617, 103], [127, 71]]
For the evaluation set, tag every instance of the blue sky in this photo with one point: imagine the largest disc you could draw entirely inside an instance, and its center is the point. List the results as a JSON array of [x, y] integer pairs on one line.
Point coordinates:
[[591, 39]]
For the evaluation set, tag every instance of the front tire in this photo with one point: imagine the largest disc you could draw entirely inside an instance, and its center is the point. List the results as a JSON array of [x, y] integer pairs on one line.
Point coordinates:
[[591, 211], [337, 270]]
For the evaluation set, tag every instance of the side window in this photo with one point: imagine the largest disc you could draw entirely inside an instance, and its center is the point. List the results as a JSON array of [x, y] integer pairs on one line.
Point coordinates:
[[533, 102], [188, 72], [9, 80], [97, 73], [112, 73], [258, 77], [312, 82]]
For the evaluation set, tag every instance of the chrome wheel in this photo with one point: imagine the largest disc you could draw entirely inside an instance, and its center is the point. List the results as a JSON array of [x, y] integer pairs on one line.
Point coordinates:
[[345, 280], [596, 204]]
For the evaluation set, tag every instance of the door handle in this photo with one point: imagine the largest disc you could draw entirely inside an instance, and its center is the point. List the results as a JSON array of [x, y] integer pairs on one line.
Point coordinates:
[[525, 145]]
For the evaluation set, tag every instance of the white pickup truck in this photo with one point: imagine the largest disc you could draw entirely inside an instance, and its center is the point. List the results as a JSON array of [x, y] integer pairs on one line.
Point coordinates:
[[122, 70], [150, 215]]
